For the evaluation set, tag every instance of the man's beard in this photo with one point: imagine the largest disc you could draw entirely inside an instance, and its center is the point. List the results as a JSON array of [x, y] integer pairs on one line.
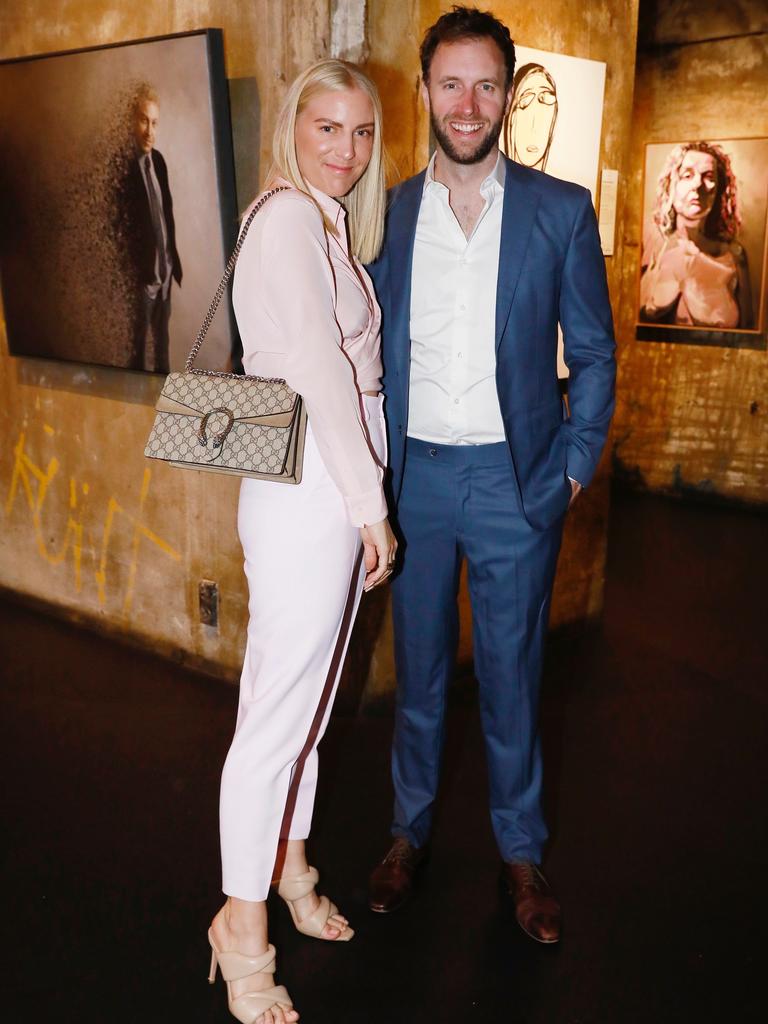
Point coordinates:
[[484, 146]]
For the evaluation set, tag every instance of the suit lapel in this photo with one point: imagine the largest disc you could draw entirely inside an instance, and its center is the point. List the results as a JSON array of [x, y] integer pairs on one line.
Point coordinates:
[[402, 232], [521, 201]]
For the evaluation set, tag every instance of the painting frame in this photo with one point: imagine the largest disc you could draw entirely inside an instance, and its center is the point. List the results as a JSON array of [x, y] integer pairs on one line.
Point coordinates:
[[572, 90], [186, 73], [662, 165], [574, 125]]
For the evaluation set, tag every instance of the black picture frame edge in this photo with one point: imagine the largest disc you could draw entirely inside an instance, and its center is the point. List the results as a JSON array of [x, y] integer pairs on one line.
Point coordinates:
[[703, 337], [224, 158]]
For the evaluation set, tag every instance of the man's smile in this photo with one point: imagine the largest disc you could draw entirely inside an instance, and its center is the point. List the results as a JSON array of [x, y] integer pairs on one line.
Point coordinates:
[[466, 127]]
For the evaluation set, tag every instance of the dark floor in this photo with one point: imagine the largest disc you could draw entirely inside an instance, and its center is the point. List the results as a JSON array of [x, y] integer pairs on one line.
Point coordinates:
[[655, 738]]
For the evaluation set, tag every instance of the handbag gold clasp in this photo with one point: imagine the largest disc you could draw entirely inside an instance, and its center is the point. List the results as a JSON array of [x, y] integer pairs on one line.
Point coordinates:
[[218, 439]]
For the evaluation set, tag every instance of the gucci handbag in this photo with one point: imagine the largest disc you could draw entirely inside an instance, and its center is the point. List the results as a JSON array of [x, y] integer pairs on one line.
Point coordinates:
[[227, 422]]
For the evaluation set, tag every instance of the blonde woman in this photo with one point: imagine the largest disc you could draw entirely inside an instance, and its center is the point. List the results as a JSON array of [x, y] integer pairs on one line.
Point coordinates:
[[306, 311]]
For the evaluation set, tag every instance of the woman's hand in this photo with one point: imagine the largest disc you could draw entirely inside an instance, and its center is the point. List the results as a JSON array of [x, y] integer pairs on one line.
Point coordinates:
[[379, 547]]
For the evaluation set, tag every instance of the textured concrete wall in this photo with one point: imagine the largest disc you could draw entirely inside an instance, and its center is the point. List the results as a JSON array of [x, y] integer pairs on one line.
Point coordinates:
[[693, 419], [88, 525], [682, 22]]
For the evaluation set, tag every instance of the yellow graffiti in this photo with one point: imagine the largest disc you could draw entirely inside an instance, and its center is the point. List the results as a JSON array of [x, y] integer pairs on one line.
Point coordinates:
[[34, 482]]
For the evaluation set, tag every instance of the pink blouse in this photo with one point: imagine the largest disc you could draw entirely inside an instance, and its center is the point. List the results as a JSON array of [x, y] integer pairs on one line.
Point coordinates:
[[306, 312]]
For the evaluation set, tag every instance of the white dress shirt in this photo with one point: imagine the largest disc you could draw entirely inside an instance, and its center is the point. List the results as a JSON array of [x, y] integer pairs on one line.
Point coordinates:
[[453, 398]]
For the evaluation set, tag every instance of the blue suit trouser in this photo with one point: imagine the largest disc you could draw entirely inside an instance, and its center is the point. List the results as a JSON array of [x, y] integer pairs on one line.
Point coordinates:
[[456, 502]]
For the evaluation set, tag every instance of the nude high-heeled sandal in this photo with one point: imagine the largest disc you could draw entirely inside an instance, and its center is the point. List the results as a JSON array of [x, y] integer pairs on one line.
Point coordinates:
[[291, 889], [248, 1006]]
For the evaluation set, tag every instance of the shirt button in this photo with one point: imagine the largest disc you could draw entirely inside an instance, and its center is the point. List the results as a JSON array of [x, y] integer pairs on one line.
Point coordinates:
[[433, 452], [455, 401], [459, 355]]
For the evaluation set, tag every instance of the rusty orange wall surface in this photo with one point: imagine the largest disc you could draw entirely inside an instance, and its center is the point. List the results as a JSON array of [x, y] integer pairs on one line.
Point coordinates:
[[692, 419], [88, 524]]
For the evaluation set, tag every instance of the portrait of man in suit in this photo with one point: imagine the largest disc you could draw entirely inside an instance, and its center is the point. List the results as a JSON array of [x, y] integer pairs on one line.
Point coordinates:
[[148, 234], [122, 159]]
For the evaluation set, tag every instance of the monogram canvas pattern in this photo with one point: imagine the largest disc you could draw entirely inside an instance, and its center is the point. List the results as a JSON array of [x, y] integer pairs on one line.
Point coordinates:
[[231, 446], [247, 448], [243, 396]]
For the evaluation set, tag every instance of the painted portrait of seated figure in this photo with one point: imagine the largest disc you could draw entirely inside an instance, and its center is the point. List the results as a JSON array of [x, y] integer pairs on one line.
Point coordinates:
[[694, 269]]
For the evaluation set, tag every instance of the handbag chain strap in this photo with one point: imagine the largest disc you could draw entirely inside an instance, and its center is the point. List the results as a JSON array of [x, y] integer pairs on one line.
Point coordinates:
[[188, 366]]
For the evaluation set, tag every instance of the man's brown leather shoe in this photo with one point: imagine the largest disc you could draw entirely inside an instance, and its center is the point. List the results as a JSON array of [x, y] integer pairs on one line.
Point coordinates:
[[536, 909], [392, 880]]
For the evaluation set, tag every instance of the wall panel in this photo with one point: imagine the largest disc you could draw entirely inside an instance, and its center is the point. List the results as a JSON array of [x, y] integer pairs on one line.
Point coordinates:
[[88, 525], [693, 420]]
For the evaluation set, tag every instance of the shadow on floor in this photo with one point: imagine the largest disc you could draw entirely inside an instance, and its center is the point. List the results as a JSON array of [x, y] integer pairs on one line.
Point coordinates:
[[654, 729]]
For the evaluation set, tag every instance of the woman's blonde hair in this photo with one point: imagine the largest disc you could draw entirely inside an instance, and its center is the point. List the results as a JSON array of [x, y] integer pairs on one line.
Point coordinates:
[[365, 203]]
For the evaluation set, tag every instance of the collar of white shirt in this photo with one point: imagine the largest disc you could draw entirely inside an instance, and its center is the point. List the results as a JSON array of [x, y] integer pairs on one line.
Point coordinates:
[[496, 178], [333, 209]]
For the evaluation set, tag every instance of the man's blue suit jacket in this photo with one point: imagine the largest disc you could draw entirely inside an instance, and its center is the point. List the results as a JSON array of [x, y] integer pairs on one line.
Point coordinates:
[[551, 269]]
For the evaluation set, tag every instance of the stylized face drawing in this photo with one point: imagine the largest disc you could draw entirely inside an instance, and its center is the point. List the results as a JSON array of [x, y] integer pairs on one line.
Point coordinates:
[[694, 191], [532, 121]]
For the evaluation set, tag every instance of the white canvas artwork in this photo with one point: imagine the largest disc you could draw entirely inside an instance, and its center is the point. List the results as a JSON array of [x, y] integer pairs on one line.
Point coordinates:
[[555, 122], [556, 117]]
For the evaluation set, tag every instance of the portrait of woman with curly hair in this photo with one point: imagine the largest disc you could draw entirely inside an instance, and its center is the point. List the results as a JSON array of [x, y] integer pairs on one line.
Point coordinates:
[[694, 269]]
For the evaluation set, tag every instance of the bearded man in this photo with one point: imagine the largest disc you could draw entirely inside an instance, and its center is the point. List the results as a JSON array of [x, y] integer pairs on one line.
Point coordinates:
[[482, 259]]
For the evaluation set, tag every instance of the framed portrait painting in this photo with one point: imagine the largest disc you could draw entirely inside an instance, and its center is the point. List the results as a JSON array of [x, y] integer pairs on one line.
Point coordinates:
[[554, 123], [118, 203], [702, 277]]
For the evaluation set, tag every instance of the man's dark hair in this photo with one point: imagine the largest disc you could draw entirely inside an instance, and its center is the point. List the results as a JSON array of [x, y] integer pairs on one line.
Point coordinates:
[[467, 23]]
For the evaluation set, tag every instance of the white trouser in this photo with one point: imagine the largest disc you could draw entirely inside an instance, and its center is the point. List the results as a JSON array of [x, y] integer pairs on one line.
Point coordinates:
[[305, 576]]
